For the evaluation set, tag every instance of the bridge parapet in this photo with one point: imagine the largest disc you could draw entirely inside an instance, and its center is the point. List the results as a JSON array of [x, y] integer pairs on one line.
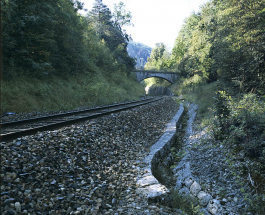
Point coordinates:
[[143, 74]]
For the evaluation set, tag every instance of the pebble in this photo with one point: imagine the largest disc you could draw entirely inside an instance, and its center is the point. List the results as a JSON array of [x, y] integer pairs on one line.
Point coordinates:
[[95, 164], [18, 207]]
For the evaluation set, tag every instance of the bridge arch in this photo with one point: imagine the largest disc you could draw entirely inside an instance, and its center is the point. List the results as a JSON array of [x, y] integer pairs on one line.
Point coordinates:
[[144, 74]]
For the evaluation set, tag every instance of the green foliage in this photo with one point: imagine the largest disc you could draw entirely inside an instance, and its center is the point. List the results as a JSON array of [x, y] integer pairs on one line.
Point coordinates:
[[224, 41], [158, 51], [195, 90], [109, 29], [257, 204], [42, 38], [30, 95], [158, 58], [121, 16], [100, 17], [181, 59], [178, 154], [241, 122], [222, 112], [46, 38], [186, 204], [239, 119]]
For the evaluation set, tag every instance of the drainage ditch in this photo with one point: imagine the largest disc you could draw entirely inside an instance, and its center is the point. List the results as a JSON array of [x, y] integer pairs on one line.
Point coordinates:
[[173, 171], [162, 171]]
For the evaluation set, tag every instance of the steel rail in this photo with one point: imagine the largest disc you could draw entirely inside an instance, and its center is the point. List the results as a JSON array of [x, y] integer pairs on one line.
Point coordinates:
[[60, 121], [30, 120]]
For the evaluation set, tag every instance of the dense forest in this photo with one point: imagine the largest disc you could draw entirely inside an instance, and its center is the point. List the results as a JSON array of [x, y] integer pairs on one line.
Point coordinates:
[[42, 38], [46, 40], [224, 41]]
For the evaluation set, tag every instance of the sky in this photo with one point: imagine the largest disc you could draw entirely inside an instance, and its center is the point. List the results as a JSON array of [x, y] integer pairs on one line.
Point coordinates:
[[155, 21]]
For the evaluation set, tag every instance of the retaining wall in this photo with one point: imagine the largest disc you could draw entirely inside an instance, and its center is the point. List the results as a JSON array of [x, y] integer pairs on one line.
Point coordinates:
[[148, 184]]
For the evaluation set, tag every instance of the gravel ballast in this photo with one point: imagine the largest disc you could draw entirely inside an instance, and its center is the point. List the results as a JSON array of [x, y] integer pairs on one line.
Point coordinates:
[[88, 168]]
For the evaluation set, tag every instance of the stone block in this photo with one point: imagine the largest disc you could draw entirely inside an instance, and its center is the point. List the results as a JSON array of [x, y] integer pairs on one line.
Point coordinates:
[[147, 180], [156, 190], [188, 182], [213, 207], [204, 198], [195, 188]]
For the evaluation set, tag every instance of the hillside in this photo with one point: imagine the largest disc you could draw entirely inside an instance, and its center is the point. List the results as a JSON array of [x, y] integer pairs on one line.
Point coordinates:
[[56, 59], [139, 51]]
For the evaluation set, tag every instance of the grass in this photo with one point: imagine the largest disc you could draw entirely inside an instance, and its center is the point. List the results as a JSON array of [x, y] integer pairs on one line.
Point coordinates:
[[196, 91], [54, 94], [188, 205]]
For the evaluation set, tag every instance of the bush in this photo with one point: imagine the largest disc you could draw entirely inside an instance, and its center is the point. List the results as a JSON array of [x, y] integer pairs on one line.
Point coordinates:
[[241, 122]]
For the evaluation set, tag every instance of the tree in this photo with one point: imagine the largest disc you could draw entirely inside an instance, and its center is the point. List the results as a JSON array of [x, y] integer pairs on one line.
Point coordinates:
[[28, 37], [155, 60], [122, 18], [43, 38], [100, 17], [109, 28], [225, 40]]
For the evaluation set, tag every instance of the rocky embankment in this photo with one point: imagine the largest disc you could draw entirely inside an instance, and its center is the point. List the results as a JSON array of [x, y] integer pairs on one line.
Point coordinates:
[[207, 175], [89, 168]]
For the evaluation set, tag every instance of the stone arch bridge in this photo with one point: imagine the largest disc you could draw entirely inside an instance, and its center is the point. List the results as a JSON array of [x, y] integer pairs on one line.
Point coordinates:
[[143, 74]]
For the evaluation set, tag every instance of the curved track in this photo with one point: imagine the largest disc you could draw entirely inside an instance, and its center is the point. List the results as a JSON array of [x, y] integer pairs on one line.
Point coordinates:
[[15, 129]]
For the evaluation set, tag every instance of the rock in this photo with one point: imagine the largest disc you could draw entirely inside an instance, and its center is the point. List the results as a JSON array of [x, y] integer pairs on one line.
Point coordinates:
[[204, 198], [59, 171], [53, 182], [195, 188], [27, 192], [18, 207], [188, 182], [37, 190], [10, 212], [213, 206], [17, 180], [79, 209], [223, 201], [4, 193], [108, 205], [182, 171], [8, 201]]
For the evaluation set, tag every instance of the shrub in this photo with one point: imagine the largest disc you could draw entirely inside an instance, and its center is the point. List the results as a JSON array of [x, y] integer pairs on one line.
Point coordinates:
[[241, 122]]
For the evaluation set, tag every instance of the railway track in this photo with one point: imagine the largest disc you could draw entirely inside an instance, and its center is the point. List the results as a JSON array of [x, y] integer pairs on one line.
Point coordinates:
[[16, 129]]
